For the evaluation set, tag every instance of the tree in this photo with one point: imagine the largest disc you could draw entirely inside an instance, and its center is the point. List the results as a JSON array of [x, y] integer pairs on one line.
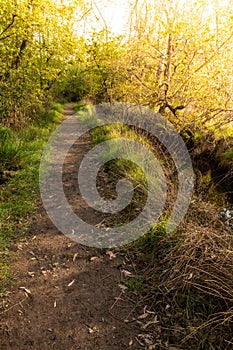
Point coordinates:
[[37, 40], [180, 63]]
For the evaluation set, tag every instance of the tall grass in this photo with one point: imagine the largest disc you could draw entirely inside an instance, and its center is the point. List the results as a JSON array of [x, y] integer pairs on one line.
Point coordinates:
[[11, 149], [14, 145]]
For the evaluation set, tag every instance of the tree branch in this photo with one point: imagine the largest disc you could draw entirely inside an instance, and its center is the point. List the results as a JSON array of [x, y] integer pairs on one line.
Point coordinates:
[[205, 63], [8, 27], [19, 56], [140, 80], [214, 54]]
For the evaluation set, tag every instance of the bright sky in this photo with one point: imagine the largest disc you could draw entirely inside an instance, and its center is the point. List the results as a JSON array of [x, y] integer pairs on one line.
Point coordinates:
[[115, 13]]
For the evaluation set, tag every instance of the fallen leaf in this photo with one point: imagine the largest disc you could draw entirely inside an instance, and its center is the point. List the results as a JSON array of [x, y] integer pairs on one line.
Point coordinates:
[[190, 276], [26, 291], [131, 342], [32, 253], [143, 316], [122, 287], [93, 329], [75, 257], [111, 254], [31, 273], [95, 258], [126, 273], [71, 283]]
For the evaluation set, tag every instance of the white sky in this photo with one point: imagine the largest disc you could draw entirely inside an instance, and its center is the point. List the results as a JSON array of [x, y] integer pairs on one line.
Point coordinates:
[[115, 13]]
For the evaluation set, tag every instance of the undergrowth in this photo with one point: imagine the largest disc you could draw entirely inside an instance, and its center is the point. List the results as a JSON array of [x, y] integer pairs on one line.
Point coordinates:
[[184, 277], [20, 153]]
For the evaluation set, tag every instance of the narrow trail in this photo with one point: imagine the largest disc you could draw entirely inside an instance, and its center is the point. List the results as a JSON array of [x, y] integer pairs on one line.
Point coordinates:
[[65, 296]]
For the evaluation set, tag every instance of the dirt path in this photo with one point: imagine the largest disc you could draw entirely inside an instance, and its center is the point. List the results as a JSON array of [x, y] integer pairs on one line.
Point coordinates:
[[65, 296]]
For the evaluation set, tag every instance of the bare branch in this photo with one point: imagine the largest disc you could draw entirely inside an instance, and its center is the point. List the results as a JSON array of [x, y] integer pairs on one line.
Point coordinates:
[[140, 80], [214, 54], [85, 14], [7, 36], [8, 27], [205, 63]]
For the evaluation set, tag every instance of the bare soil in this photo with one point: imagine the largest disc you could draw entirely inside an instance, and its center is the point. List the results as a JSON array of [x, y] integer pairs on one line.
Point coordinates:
[[65, 295]]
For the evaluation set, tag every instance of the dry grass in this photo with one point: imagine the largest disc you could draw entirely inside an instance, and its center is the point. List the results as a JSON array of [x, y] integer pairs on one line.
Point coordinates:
[[202, 259], [188, 282], [196, 281]]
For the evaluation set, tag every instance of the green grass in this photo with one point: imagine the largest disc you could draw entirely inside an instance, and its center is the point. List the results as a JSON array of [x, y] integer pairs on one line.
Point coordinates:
[[52, 116], [189, 307], [135, 283], [228, 155], [11, 150], [20, 159], [86, 115], [123, 167], [57, 107], [79, 106]]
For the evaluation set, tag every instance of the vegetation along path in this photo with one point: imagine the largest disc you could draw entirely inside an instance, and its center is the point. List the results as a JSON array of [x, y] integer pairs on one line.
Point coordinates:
[[164, 291], [65, 296]]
